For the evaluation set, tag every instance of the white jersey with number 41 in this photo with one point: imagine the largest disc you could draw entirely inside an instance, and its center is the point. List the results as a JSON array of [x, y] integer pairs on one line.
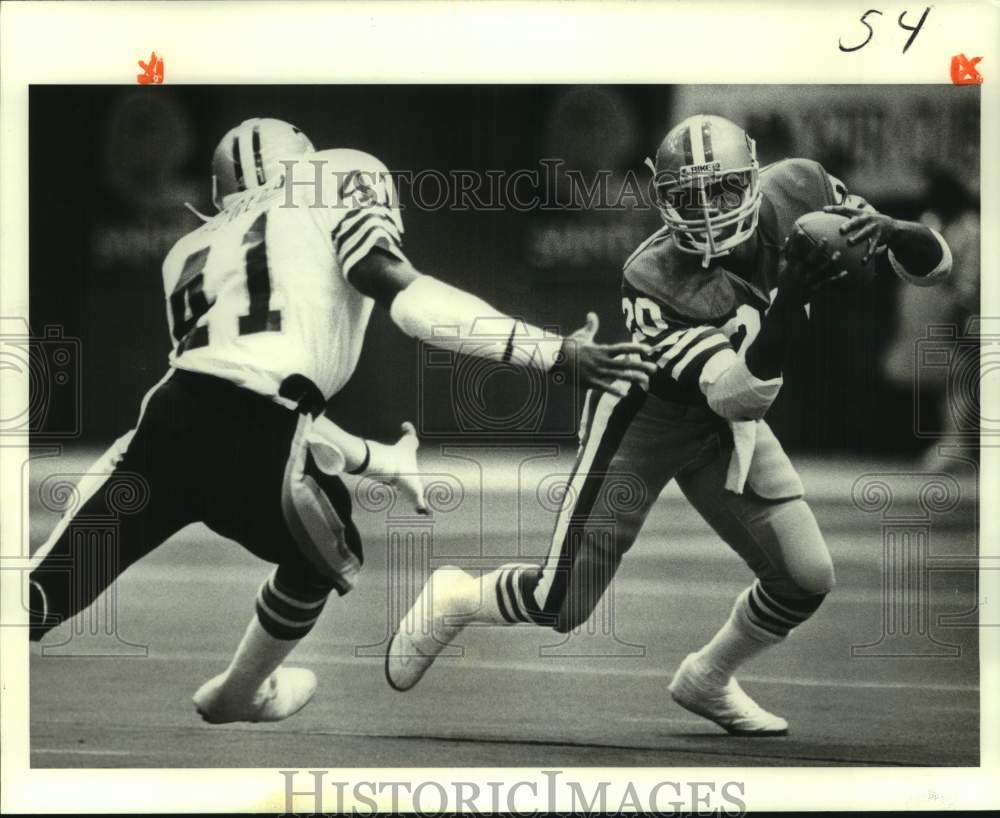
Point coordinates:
[[260, 291]]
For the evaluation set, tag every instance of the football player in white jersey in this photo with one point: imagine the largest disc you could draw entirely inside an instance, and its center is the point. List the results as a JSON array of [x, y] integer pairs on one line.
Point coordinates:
[[267, 306]]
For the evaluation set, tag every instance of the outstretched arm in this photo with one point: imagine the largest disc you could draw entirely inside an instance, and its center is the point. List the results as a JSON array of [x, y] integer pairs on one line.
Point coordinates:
[[421, 304], [367, 243]]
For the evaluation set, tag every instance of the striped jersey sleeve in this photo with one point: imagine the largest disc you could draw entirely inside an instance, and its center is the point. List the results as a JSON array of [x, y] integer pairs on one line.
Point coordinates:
[[362, 230], [360, 207], [682, 353], [681, 345]]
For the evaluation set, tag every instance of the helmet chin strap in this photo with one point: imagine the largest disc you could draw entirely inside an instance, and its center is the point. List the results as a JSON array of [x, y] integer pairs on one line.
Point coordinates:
[[201, 216]]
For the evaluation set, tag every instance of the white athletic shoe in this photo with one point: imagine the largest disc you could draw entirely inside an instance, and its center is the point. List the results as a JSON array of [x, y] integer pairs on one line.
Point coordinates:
[[284, 693], [727, 705], [430, 626]]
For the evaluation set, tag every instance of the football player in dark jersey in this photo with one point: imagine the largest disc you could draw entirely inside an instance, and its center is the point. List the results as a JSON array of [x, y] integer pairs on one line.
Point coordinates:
[[720, 293]]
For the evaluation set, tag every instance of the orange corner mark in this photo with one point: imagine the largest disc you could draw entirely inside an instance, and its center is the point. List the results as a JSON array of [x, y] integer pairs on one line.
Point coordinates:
[[152, 72], [964, 71]]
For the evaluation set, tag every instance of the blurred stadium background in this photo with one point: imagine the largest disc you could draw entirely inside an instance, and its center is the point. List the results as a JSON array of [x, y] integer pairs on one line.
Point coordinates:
[[110, 169]]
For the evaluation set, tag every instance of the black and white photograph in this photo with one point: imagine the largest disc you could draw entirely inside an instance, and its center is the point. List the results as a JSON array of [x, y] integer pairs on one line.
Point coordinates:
[[527, 426]]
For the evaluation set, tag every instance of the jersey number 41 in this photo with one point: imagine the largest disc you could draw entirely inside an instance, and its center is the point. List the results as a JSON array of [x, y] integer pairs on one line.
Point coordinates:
[[189, 302]]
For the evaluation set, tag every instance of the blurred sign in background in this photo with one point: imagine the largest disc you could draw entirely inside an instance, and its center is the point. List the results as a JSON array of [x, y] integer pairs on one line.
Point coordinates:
[[879, 139], [111, 167]]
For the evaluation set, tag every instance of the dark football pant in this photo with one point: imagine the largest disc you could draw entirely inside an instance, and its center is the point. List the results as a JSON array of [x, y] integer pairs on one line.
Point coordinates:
[[207, 450], [630, 449]]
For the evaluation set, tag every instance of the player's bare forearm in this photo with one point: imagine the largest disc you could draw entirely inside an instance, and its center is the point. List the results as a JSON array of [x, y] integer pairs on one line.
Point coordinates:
[[782, 328], [805, 269], [919, 252]]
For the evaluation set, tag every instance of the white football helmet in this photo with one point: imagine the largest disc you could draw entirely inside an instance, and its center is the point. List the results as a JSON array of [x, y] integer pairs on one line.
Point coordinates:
[[248, 156], [707, 185]]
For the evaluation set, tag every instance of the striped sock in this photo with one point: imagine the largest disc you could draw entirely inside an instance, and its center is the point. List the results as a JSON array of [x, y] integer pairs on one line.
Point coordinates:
[[507, 595], [779, 613], [759, 619], [288, 606]]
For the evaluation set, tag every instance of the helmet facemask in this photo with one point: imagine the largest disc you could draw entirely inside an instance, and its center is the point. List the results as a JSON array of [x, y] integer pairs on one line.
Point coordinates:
[[709, 210]]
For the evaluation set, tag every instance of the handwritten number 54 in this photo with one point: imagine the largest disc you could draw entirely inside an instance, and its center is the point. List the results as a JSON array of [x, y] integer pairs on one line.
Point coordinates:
[[871, 31]]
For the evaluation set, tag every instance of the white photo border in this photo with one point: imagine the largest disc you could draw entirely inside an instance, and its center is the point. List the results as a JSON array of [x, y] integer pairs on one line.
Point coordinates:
[[502, 42]]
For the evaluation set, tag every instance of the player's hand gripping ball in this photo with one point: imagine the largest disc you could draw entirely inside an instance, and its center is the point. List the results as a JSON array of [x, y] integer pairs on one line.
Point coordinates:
[[848, 259]]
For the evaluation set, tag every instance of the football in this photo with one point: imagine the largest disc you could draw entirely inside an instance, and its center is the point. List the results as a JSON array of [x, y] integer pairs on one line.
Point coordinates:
[[822, 225]]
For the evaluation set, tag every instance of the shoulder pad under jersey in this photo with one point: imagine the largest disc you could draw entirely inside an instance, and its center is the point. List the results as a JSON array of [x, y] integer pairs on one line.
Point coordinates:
[[347, 159], [678, 282], [791, 188], [344, 171]]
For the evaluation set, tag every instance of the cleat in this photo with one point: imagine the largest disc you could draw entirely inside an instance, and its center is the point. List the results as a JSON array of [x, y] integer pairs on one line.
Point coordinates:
[[284, 693], [724, 703], [429, 626]]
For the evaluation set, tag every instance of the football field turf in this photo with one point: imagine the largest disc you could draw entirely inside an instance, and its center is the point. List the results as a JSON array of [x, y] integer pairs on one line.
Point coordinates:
[[523, 696]]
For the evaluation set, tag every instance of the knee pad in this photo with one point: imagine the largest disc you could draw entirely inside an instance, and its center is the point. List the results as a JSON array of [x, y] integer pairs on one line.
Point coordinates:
[[818, 581], [808, 569], [822, 580], [814, 576], [290, 602]]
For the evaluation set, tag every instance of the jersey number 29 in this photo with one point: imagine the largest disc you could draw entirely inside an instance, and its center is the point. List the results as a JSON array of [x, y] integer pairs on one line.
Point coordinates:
[[644, 320]]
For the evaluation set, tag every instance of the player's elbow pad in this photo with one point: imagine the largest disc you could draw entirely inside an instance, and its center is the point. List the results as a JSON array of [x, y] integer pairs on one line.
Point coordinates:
[[431, 310], [733, 391]]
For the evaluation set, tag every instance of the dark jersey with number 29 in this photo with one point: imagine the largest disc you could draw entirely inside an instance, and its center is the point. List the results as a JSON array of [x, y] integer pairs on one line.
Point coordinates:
[[688, 313]]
